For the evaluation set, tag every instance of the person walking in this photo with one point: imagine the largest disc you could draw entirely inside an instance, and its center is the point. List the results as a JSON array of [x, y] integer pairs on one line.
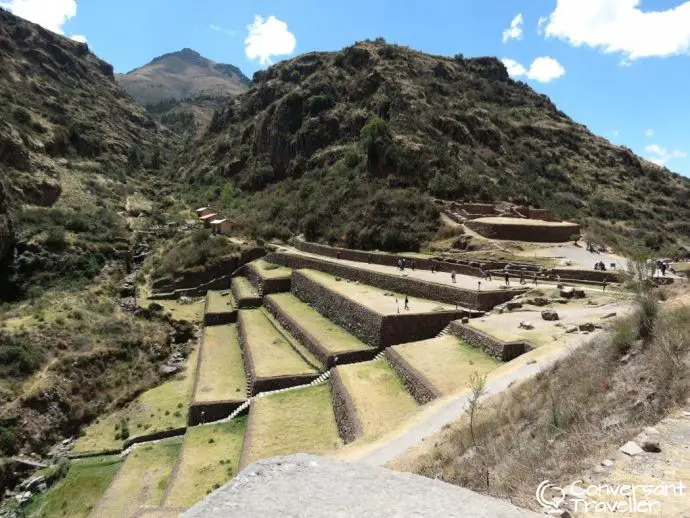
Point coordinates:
[[452, 276], [507, 278], [407, 303]]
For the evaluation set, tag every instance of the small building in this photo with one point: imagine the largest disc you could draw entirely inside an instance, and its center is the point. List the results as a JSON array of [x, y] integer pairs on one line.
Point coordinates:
[[204, 211], [222, 226], [208, 218]]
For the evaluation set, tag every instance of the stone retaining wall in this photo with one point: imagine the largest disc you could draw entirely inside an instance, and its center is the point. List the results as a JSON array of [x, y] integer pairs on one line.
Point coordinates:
[[524, 232], [193, 278], [415, 382], [504, 351], [220, 319], [246, 302], [89, 454], [211, 411], [155, 436], [312, 344], [478, 300], [349, 427], [586, 275], [266, 286], [362, 322]]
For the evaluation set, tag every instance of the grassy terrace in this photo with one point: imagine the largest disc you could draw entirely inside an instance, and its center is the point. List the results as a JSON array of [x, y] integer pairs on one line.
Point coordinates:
[[292, 422], [244, 288], [220, 302], [271, 352], [160, 408], [221, 373], [446, 361], [142, 481], [76, 495], [210, 457], [380, 399], [333, 338], [375, 298], [270, 271]]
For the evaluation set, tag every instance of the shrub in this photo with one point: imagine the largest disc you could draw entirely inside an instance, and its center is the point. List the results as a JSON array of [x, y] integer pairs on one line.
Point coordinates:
[[21, 115], [352, 158], [56, 239]]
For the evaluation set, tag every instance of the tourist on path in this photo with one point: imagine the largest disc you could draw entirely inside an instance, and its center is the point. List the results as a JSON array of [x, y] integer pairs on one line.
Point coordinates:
[[507, 279], [452, 276], [407, 303]]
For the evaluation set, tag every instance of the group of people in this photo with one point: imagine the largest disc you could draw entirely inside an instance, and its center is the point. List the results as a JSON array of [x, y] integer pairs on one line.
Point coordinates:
[[600, 266], [402, 263]]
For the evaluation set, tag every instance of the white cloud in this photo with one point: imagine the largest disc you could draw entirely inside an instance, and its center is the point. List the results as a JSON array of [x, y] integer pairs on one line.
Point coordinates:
[[214, 27], [268, 37], [661, 156], [49, 14], [540, 24], [616, 133], [542, 69], [79, 37], [515, 69], [621, 26], [649, 133], [514, 32]]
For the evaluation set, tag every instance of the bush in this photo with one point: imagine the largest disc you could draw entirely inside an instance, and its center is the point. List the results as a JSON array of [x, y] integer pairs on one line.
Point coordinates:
[[352, 158], [21, 115], [55, 239]]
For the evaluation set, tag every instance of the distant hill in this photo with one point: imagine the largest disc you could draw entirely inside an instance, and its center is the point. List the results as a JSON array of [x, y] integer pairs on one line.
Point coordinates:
[[181, 75], [351, 146]]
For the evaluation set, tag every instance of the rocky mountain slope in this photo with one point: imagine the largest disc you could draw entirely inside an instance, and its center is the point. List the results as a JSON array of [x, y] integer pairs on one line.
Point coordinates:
[[70, 138], [349, 146], [180, 75]]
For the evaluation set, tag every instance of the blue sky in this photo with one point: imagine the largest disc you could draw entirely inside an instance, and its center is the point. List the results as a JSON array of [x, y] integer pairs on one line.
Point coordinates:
[[621, 67]]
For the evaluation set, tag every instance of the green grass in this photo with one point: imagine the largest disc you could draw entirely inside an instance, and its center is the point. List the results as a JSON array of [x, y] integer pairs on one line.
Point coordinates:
[[271, 353], [210, 457], [270, 271], [142, 481], [161, 408], [380, 399], [243, 288], [221, 376], [333, 338], [218, 303], [77, 494], [299, 421], [447, 362]]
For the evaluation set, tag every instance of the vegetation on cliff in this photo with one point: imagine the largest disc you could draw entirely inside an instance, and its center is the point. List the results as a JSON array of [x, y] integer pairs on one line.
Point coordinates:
[[348, 146]]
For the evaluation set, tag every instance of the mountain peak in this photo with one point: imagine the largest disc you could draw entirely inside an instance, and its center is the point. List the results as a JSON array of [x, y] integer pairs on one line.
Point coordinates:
[[180, 75]]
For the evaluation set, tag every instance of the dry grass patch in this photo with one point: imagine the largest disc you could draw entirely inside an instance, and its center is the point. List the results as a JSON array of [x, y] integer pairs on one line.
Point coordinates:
[[160, 408], [565, 420], [76, 495], [272, 354], [447, 361], [210, 457], [243, 288], [299, 421], [142, 481], [330, 336], [220, 302], [269, 271], [380, 399], [221, 374]]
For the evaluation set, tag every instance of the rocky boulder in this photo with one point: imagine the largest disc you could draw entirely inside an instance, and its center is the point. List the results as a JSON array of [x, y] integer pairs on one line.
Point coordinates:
[[549, 314]]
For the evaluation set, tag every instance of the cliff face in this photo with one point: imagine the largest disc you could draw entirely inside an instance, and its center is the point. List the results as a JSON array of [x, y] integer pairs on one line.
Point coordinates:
[[339, 133], [66, 127]]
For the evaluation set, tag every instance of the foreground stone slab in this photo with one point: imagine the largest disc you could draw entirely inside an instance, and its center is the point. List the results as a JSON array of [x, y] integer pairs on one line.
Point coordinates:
[[309, 486]]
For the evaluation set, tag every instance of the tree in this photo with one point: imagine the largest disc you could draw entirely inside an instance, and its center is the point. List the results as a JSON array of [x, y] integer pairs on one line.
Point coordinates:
[[133, 159], [376, 139]]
